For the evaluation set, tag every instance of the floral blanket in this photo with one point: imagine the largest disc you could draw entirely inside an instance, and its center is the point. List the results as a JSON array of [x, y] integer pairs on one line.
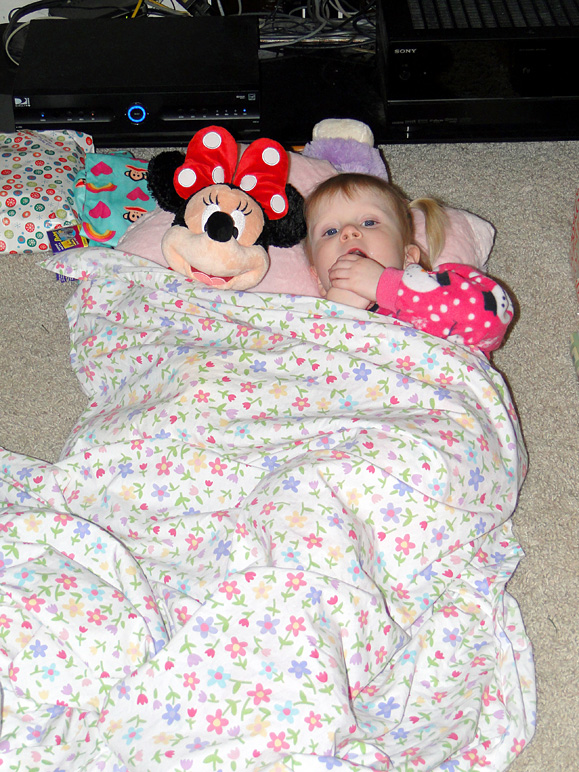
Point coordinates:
[[277, 539]]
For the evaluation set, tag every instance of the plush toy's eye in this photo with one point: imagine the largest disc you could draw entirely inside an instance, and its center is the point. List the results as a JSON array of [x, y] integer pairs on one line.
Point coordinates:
[[239, 220]]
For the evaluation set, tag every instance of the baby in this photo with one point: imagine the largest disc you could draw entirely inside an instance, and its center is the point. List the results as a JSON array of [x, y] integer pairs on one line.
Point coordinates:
[[361, 244]]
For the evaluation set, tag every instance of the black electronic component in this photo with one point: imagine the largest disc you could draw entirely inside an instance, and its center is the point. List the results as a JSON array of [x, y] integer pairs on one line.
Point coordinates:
[[140, 81], [478, 70]]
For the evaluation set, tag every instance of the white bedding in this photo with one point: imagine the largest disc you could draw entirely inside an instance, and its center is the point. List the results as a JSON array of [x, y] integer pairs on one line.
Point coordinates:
[[278, 538]]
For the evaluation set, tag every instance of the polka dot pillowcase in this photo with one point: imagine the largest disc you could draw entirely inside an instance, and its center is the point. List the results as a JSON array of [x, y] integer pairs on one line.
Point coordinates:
[[37, 173]]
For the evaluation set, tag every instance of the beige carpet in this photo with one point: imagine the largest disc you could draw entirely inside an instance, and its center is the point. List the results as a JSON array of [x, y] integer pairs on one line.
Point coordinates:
[[527, 190]]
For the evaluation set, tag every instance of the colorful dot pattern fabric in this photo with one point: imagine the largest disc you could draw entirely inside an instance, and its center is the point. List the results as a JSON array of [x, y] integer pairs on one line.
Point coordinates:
[[277, 539], [37, 174]]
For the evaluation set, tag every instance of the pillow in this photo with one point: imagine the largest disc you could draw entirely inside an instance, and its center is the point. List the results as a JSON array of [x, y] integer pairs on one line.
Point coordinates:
[[111, 193], [469, 238], [38, 170]]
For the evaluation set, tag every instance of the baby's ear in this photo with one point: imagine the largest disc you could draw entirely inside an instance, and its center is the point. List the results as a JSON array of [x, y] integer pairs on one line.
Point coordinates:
[[411, 255], [321, 289]]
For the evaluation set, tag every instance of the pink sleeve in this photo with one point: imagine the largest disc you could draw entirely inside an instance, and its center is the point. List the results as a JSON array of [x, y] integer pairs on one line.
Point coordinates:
[[387, 289], [455, 301]]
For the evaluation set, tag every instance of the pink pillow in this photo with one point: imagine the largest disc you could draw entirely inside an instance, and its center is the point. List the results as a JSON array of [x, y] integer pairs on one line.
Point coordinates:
[[469, 238]]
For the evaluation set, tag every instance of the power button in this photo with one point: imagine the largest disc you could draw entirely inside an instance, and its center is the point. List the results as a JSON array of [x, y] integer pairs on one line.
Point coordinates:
[[136, 113]]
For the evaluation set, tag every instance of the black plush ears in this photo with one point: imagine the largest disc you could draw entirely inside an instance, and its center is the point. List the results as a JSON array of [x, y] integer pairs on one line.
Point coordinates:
[[288, 230], [160, 173], [284, 232]]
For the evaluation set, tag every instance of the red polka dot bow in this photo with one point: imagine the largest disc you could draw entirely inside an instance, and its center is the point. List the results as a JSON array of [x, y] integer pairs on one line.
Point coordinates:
[[212, 159]]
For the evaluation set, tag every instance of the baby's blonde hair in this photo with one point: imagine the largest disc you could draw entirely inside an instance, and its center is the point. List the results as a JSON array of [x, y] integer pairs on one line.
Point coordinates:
[[351, 183]]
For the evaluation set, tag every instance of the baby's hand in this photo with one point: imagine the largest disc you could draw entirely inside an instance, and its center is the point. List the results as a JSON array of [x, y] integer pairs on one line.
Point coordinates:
[[356, 273]]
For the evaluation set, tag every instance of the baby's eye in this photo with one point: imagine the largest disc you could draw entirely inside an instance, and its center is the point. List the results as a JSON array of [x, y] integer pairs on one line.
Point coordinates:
[[330, 232], [369, 223]]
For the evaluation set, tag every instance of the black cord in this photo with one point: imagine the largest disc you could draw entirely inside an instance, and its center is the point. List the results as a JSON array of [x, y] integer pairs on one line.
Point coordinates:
[[18, 13]]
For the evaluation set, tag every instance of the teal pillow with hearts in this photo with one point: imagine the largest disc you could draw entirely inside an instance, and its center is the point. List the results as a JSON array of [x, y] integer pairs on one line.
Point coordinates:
[[110, 194]]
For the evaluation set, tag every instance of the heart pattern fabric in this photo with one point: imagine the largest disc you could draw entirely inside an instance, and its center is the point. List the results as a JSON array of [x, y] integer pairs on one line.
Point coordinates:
[[111, 193]]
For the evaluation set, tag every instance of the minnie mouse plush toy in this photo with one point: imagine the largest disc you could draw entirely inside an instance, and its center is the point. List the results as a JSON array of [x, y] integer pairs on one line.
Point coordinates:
[[227, 212]]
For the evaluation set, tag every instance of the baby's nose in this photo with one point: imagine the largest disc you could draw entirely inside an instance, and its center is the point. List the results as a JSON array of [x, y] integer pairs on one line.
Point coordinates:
[[350, 231]]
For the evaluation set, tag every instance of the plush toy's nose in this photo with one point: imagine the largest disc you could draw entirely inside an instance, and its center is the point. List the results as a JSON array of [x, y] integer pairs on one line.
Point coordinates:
[[220, 227]]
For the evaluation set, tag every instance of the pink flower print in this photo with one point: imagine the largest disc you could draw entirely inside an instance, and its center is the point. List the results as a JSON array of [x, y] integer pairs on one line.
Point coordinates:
[[229, 589], [193, 541], [236, 648], [313, 541], [318, 330], [217, 467], [487, 698], [484, 446], [150, 603], [416, 760], [404, 544], [5, 621], [381, 655], [301, 403], [295, 581], [355, 690], [202, 396], [260, 694], [217, 723], [190, 681], [400, 591], [277, 742], [444, 380], [87, 299], [405, 363], [68, 582], [182, 615], [448, 437], [33, 603], [96, 616], [164, 466], [473, 758], [313, 721], [296, 625]]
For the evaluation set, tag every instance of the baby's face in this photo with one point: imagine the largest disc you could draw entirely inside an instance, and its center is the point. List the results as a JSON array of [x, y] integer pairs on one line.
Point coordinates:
[[364, 224]]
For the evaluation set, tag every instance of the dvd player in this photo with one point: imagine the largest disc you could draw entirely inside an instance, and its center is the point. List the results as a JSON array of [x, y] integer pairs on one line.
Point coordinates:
[[142, 80], [479, 69]]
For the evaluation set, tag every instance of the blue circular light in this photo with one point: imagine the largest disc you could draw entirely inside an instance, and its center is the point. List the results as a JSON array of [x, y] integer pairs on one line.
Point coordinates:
[[136, 113]]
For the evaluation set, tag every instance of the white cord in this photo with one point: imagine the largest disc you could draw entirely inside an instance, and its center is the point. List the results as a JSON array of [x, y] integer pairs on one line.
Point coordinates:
[[9, 38]]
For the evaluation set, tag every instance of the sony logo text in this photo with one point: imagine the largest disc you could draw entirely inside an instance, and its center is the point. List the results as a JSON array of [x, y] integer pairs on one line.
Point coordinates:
[[405, 50]]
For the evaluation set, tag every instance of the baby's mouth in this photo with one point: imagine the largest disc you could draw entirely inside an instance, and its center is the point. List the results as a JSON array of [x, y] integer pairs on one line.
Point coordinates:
[[356, 251]]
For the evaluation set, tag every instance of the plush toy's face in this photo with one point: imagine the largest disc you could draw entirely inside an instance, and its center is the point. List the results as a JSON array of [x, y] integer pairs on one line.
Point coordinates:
[[217, 246]]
